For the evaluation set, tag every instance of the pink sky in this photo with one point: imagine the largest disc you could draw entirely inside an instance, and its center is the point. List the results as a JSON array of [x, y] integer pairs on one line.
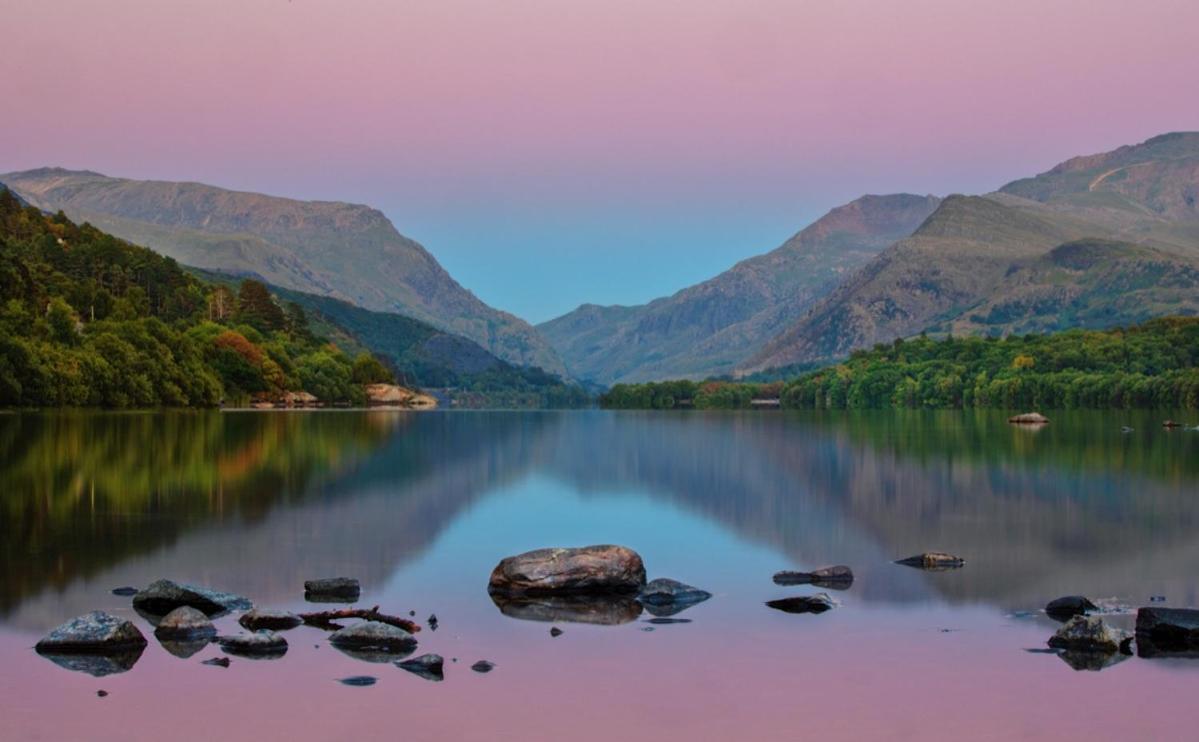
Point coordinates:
[[571, 140]]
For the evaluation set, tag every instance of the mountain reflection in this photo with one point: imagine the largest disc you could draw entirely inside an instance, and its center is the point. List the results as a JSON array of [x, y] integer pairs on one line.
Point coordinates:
[[257, 502]]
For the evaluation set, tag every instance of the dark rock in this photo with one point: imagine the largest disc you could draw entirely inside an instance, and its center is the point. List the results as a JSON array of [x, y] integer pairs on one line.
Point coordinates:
[[1171, 424], [185, 623], [1090, 634], [332, 590], [433, 622], [96, 665], [217, 662], [374, 636], [605, 610], [258, 645], [934, 561], [359, 681], [647, 628], [483, 666], [1069, 606], [1157, 598], [163, 596], [268, 619], [93, 633], [589, 569], [555, 632], [818, 603], [427, 666], [666, 597], [125, 592], [838, 577], [102, 693], [1162, 631], [662, 621]]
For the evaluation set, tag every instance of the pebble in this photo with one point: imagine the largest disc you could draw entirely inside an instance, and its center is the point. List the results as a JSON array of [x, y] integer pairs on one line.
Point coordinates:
[[483, 666], [358, 681]]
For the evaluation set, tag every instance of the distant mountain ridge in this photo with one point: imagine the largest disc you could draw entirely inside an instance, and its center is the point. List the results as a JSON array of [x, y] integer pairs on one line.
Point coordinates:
[[709, 328], [1096, 241], [347, 251]]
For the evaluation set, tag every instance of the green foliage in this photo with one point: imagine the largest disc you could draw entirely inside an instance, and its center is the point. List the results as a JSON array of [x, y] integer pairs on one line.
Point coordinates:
[[368, 370], [88, 320]]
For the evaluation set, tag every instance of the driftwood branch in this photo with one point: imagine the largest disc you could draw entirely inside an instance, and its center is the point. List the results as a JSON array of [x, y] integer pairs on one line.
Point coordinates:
[[325, 619]]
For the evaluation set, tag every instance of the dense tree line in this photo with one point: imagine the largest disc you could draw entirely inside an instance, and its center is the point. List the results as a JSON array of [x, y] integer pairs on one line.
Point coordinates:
[[87, 319], [1146, 366]]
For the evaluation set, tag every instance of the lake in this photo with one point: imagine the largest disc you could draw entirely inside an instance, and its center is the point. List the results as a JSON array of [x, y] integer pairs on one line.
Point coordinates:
[[421, 506]]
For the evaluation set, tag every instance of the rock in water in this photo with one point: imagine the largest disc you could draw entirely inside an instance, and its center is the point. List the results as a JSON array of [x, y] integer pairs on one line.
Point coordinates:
[[163, 596], [372, 635], [1028, 418], [1167, 630], [666, 597], [358, 681], [1069, 606], [1090, 634], [427, 666], [555, 632], [933, 560], [267, 619], [93, 633], [838, 577], [125, 592], [483, 666], [259, 645], [332, 590], [589, 569], [818, 603], [185, 623], [217, 662]]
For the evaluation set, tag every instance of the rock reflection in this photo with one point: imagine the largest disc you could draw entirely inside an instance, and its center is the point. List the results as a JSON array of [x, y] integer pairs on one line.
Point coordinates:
[[1092, 661], [96, 665], [604, 610]]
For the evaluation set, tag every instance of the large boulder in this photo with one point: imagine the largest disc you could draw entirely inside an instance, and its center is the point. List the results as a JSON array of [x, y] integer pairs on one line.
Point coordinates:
[[258, 645], [1069, 606], [589, 569], [93, 633], [332, 590], [933, 561], [666, 597], [185, 623], [838, 577], [374, 636], [1090, 634], [609, 609], [163, 596], [267, 619], [1167, 631]]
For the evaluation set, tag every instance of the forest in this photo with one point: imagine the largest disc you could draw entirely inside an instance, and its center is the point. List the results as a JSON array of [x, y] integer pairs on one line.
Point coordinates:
[[89, 320], [1152, 365]]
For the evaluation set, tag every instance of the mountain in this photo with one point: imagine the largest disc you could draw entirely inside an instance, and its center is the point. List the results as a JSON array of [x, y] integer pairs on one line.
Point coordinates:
[[347, 251], [709, 328], [1096, 241]]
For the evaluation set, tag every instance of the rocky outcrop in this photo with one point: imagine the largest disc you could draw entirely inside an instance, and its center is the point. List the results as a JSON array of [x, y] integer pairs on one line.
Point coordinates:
[[163, 596], [609, 609], [1165, 631], [818, 603], [1069, 606], [1090, 634], [374, 636], [332, 590], [394, 395], [260, 644], [933, 561], [589, 569], [837, 577], [92, 633], [258, 619]]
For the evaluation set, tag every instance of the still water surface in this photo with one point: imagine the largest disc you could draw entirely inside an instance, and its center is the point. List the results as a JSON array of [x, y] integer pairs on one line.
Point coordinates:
[[421, 506]]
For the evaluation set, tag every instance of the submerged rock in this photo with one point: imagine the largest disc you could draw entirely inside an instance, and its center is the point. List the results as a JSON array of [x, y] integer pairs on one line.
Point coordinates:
[[602, 610], [838, 577], [375, 636], [933, 561], [93, 633], [268, 619], [1090, 634], [427, 666], [217, 662], [1164, 631], [818, 603], [125, 592], [589, 569], [1069, 606], [666, 597], [259, 645], [359, 681], [332, 590], [187, 624], [483, 666], [163, 596]]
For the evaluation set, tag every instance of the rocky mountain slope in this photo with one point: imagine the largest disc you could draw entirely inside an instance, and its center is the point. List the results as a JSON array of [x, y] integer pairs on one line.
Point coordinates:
[[1096, 241], [346, 251], [709, 328]]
